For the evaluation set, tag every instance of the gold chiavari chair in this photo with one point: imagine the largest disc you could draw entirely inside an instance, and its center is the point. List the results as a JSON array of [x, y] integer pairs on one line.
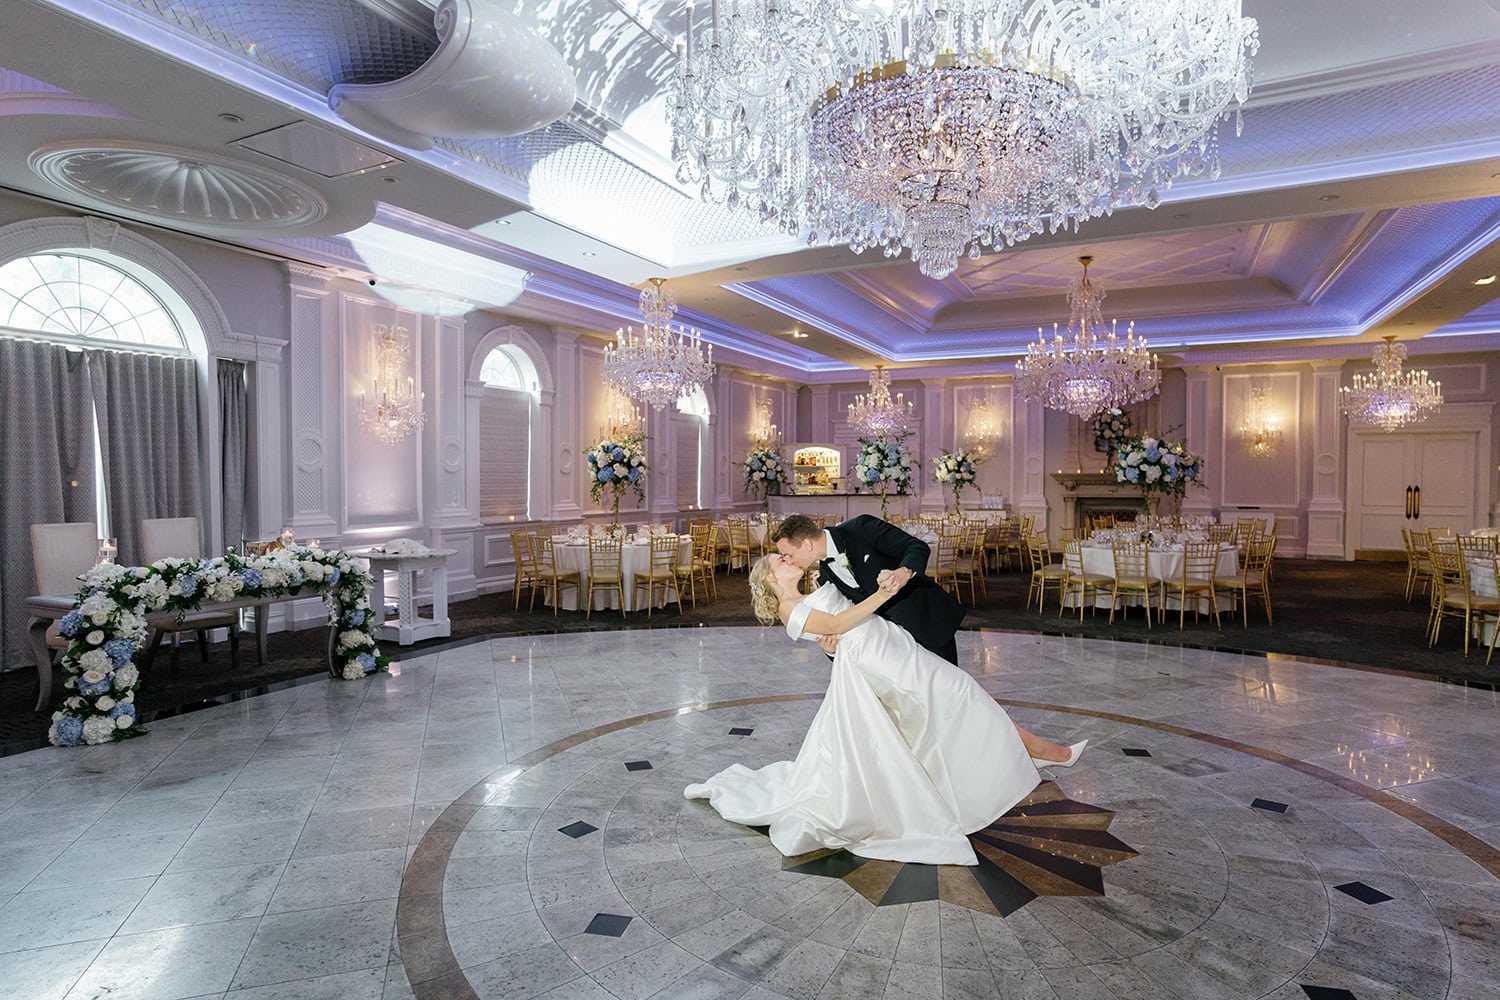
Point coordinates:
[[968, 561], [662, 573], [994, 540], [945, 561], [821, 520], [1065, 535], [1253, 579], [1458, 600], [1044, 572], [1418, 568], [704, 564], [1076, 580], [1223, 534], [1443, 558], [520, 549], [740, 542], [1476, 546], [1133, 576], [605, 571], [1200, 561], [550, 579], [1495, 625]]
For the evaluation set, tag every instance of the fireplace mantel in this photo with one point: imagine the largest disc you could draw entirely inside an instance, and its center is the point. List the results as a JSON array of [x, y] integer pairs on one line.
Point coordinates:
[[1097, 491]]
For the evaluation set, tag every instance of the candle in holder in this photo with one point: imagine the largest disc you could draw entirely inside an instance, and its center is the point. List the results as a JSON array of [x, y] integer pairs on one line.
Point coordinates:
[[107, 550], [288, 536], [312, 543]]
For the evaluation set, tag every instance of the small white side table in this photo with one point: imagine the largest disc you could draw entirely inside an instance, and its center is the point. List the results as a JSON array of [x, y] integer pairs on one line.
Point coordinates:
[[407, 628]]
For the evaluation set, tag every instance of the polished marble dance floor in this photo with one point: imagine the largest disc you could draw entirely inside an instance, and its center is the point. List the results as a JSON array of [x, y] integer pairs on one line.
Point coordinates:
[[504, 820]]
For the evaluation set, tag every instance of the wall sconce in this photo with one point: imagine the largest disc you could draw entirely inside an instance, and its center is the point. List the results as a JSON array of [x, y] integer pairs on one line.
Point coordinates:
[[623, 419], [984, 426], [397, 410], [761, 428], [1261, 432]]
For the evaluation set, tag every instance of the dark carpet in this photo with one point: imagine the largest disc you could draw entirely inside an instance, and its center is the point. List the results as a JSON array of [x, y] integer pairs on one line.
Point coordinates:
[[1332, 611]]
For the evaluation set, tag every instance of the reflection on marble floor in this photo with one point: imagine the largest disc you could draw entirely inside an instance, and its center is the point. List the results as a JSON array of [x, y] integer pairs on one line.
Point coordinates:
[[258, 850]]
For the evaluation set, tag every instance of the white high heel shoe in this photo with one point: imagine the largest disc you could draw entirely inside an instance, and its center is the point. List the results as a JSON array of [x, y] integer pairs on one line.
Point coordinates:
[[1074, 752]]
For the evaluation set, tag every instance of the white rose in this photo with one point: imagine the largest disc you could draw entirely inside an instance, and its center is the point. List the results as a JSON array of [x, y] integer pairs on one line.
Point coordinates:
[[1153, 473], [105, 703], [99, 617], [95, 638], [123, 722], [142, 572], [74, 703]]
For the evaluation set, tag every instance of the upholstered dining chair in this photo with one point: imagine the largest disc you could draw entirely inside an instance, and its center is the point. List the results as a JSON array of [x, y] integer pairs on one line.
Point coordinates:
[[60, 554], [180, 538]]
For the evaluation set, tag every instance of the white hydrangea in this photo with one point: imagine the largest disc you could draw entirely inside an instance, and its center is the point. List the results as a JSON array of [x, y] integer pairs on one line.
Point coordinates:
[[351, 639], [132, 626], [95, 662], [95, 605], [353, 671], [98, 729], [126, 677]]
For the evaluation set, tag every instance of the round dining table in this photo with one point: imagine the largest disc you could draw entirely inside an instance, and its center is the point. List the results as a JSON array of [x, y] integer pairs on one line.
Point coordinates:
[[1163, 562], [635, 557]]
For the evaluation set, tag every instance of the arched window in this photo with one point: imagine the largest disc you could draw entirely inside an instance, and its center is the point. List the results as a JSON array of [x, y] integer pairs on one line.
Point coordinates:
[[510, 389], [691, 421], [71, 298]]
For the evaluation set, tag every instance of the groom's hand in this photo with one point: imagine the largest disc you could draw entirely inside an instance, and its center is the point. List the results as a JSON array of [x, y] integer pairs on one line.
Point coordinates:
[[893, 579]]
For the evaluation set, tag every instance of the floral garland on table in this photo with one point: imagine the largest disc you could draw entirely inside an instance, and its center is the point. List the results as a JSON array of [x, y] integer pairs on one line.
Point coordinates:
[[765, 469], [1157, 466], [107, 625], [1110, 429], [956, 470]]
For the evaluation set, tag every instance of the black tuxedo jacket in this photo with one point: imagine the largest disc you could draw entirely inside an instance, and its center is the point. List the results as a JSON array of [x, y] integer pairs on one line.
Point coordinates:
[[924, 609]]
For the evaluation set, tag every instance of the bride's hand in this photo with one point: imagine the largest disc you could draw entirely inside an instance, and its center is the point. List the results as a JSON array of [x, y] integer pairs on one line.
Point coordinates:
[[829, 643]]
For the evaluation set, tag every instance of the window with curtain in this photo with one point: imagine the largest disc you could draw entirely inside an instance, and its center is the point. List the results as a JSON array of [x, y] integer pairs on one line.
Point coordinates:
[[505, 406], [691, 421]]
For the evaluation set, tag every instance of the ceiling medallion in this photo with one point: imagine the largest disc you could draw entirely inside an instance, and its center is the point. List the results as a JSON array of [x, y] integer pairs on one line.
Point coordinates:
[[657, 366], [1091, 370], [1047, 845], [183, 187], [1388, 397], [876, 416], [947, 127]]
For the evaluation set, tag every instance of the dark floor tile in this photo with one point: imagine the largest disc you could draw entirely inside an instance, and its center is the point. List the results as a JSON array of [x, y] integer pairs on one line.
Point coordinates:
[[577, 829], [1269, 805], [1327, 993], [1135, 752], [638, 765], [608, 924], [835, 865], [915, 884], [1364, 893], [740, 731]]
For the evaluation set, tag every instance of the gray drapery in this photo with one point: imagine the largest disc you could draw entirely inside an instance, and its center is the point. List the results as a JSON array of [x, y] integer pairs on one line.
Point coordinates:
[[147, 408], [234, 424], [47, 454]]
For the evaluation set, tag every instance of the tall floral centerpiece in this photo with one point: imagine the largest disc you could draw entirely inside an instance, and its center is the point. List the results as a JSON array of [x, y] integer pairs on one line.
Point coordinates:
[[1159, 467], [885, 464], [1111, 428], [955, 470], [615, 466], [765, 471]]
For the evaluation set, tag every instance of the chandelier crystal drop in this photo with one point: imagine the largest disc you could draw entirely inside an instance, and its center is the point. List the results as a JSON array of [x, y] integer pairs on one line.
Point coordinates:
[[947, 126], [657, 365], [1091, 369], [1389, 397], [396, 411], [875, 416]]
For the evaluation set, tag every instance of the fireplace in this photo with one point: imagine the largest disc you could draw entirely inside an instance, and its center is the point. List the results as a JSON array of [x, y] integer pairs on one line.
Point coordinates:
[[1087, 493]]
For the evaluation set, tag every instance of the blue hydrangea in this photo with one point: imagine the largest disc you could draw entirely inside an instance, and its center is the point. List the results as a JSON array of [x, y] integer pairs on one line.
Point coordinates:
[[294, 578], [120, 651], [252, 578], [70, 625], [1153, 454], [69, 731], [1133, 474], [635, 473], [366, 662], [99, 687], [189, 585], [606, 474], [335, 577], [124, 710], [618, 454], [355, 617]]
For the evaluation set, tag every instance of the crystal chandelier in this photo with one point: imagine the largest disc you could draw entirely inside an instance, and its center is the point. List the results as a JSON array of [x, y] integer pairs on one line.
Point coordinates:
[[1093, 370], [657, 366], [397, 409], [1261, 432], [623, 419], [946, 126], [984, 426], [764, 430], [1388, 397], [876, 415]]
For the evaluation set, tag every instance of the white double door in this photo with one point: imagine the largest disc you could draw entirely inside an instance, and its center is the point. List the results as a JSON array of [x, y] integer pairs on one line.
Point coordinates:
[[1414, 480]]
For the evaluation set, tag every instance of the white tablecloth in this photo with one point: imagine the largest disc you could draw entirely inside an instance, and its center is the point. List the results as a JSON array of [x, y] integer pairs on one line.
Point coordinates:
[[1482, 582], [1160, 564], [635, 557], [757, 533]]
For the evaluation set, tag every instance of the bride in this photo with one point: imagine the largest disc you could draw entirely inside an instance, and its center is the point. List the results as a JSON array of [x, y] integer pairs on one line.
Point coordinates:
[[907, 753]]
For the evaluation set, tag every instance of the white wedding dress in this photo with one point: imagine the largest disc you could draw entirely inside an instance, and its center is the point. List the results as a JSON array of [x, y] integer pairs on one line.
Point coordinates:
[[906, 755]]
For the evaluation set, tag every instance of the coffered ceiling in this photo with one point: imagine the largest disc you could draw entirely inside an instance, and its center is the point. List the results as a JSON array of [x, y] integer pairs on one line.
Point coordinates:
[[1362, 197]]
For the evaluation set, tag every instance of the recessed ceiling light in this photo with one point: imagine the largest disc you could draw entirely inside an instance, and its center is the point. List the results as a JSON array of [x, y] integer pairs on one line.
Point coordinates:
[[502, 222], [798, 335], [230, 118], [1328, 197], [391, 180], [590, 253], [1488, 279], [1182, 215]]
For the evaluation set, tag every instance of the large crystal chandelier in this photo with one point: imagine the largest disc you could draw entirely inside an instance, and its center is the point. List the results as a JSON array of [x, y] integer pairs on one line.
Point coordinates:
[[392, 411], [876, 415], [945, 126], [657, 366], [1261, 431], [1091, 369], [1388, 397]]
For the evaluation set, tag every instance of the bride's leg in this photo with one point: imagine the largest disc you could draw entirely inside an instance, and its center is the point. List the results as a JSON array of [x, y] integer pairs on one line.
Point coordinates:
[[1039, 748]]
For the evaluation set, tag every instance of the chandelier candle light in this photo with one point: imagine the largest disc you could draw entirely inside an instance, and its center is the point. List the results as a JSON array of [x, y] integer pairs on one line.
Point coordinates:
[[1388, 397], [948, 126], [657, 366], [1091, 369], [876, 416], [397, 411]]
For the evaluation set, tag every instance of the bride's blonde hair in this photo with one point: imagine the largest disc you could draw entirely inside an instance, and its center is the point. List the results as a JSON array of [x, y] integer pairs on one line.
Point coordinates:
[[764, 600]]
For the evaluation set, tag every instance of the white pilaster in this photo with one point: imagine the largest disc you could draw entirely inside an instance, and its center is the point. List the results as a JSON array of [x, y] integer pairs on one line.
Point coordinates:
[[1030, 468], [556, 441], [1205, 409], [314, 406], [929, 442], [447, 413], [1326, 511]]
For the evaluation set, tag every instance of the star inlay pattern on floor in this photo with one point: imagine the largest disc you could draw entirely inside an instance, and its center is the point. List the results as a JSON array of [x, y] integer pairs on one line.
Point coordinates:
[[1047, 845]]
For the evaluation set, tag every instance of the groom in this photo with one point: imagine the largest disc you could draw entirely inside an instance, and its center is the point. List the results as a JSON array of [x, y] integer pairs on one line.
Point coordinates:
[[860, 555]]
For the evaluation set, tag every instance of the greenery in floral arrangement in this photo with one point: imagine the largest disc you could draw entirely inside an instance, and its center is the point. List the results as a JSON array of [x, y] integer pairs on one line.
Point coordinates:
[[884, 464], [956, 470], [1156, 465], [1110, 429], [765, 470], [107, 625], [616, 466]]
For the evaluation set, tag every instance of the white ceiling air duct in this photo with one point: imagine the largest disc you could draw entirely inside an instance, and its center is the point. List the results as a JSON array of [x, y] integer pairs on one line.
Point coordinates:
[[491, 76]]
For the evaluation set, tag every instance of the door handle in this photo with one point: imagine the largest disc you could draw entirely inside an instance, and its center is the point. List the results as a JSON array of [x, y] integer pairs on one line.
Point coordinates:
[[1417, 494], [1408, 503]]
